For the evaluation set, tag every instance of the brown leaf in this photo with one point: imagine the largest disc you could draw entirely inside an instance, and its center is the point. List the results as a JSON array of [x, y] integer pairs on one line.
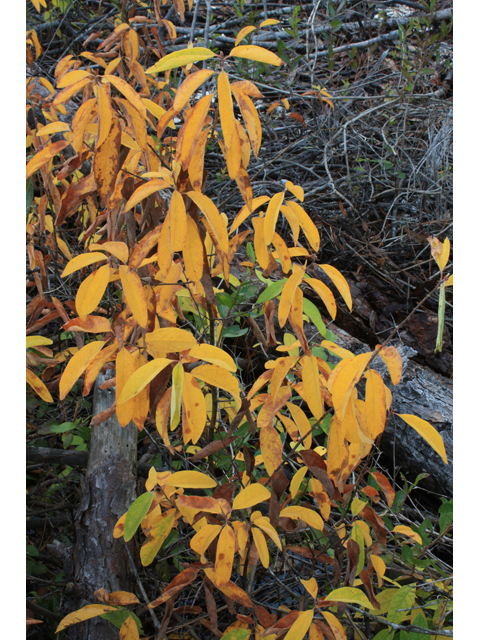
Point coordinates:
[[211, 447], [103, 415], [269, 313], [385, 486], [74, 195], [365, 578], [317, 466], [183, 579], [353, 554]]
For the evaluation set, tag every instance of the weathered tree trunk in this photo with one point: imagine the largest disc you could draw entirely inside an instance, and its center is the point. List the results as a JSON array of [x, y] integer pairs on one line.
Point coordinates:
[[108, 490]]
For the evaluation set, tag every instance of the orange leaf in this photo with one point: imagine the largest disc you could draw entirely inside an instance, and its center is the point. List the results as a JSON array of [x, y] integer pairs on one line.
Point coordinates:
[[193, 128], [125, 368], [106, 162]]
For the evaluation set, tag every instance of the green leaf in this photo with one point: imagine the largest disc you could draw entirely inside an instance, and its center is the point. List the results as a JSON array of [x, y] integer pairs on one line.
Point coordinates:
[[234, 332], [118, 618], [29, 193], [136, 514], [236, 634], [61, 428], [407, 555], [272, 291], [400, 604], [313, 313], [251, 252]]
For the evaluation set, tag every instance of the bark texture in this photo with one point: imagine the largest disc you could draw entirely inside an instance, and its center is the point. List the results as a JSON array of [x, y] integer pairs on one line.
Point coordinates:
[[108, 490]]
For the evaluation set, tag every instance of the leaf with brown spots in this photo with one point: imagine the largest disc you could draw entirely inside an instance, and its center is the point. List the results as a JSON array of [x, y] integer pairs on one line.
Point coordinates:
[[107, 162]]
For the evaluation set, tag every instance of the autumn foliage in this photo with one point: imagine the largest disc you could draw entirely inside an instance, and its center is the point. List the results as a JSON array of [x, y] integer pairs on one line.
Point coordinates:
[[157, 271]]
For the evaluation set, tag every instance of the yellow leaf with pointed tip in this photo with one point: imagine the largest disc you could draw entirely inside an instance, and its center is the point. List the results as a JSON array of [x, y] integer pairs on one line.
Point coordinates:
[[311, 385], [38, 386], [105, 113], [193, 129], [191, 480], [91, 291], [77, 365], [142, 376], [204, 538], [304, 220], [251, 119], [43, 156], [145, 190], [379, 566], [129, 629], [302, 423], [336, 350], [406, 531], [335, 625], [266, 526], [375, 403], [340, 282], [193, 252], [301, 625], [53, 127], [296, 481], [71, 77], [117, 249], [37, 341], [243, 33], [309, 516], [188, 88], [129, 92], [225, 554], [250, 496], [125, 368], [85, 613], [81, 261], [214, 219], [180, 59], [258, 54], [346, 380], [225, 105], [268, 22], [428, 433], [311, 586], [350, 595], [325, 295], [261, 545], [271, 216], [170, 340], [195, 406], [178, 222], [217, 377], [214, 355], [288, 292], [134, 294]]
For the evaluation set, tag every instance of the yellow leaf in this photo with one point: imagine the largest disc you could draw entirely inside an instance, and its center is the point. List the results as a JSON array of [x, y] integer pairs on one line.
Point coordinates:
[[178, 222], [429, 433], [259, 54], [176, 403], [350, 595], [265, 525], [296, 190], [117, 249], [77, 365], [325, 295], [308, 227], [311, 586], [43, 156], [301, 625], [156, 538], [335, 349], [309, 516], [130, 94], [204, 538], [86, 613], [216, 222], [268, 22], [296, 481], [261, 545], [243, 33], [302, 423], [393, 360], [125, 368], [37, 341], [271, 216], [214, 355], [191, 480], [346, 380], [406, 531], [134, 294], [170, 340], [218, 377], [38, 386], [288, 292], [81, 261], [252, 122], [449, 282], [440, 251], [129, 629], [193, 252], [379, 566], [340, 282], [53, 127], [250, 496], [271, 448], [335, 625], [145, 190], [194, 405], [180, 59], [91, 291], [375, 405], [225, 554], [142, 376], [226, 108], [71, 77], [311, 385]]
